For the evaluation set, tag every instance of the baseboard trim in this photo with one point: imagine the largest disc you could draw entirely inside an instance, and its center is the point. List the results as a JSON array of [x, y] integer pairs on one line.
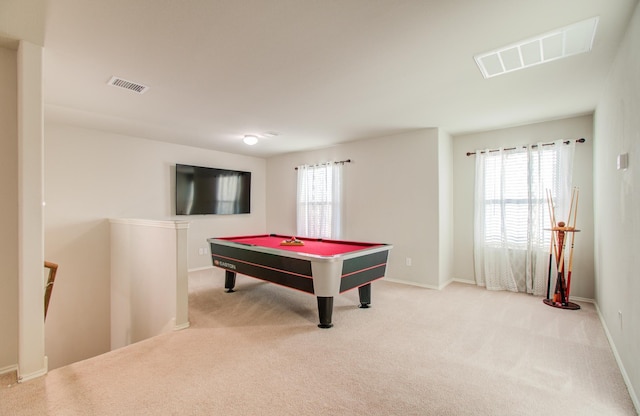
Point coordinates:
[[579, 299], [34, 375], [41, 372], [182, 326], [465, 281], [410, 283], [197, 269], [8, 369], [442, 286], [625, 376]]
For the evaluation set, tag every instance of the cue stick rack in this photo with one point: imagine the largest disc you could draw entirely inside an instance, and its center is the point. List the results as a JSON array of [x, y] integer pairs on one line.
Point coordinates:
[[560, 232]]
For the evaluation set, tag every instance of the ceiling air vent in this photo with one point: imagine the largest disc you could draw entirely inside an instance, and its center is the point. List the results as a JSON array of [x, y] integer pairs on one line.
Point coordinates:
[[128, 85], [557, 44]]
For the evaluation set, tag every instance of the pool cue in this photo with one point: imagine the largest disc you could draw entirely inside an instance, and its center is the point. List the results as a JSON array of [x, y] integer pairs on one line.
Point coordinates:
[[549, 272], [555, 247], [552, 217], [560, 281], [573, 236], [564, 234], [570, 207], [558, 296], [552, 245], [561, 246]]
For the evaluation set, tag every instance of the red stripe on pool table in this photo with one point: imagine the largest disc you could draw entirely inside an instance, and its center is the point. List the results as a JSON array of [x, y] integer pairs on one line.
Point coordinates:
[[260, 265], [364, 270], [295, 274]]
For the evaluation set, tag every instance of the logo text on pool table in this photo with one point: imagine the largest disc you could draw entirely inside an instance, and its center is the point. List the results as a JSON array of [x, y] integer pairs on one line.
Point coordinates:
[[221, 263]]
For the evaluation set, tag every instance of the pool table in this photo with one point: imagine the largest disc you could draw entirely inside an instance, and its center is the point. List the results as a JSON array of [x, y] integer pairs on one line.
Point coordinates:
[[324, 268]]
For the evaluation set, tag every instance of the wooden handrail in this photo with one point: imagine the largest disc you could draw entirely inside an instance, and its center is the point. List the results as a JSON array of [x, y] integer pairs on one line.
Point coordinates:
[[53, 269]]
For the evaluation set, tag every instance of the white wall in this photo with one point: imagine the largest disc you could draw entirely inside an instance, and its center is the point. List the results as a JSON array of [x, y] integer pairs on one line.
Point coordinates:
[[391, 196], [24, 20], [617, 207], [91, 176], [445, 199], [582, 283], [9, 210]]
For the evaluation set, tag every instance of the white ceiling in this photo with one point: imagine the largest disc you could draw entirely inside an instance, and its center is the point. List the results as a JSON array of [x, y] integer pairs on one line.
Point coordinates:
[[318, 72]]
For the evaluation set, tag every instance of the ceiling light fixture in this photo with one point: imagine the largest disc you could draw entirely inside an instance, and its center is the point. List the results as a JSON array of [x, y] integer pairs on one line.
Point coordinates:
[[250, 139], [557, 44]]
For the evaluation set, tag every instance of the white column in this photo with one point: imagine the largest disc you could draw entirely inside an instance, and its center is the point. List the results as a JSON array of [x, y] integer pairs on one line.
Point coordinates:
[[182, 275], [149, 279], [31, 359]]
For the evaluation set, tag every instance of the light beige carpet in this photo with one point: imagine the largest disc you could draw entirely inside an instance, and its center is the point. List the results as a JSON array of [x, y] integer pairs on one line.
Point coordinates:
[[459, 351]]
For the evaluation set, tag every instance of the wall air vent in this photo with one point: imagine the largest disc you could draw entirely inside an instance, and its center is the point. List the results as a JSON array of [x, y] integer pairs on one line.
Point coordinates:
[[128, 85]]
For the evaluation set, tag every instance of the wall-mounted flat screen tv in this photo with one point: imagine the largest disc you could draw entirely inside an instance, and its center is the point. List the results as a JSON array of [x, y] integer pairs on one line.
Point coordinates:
[[201, 191]]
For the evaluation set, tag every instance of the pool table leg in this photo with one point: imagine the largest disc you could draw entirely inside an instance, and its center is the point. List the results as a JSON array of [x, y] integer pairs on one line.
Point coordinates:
[[229, 280], [325, 310], [365, 295]]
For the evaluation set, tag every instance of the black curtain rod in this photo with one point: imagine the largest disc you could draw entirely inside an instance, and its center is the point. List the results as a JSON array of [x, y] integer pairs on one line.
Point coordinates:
[[580, 140], [339, 161]]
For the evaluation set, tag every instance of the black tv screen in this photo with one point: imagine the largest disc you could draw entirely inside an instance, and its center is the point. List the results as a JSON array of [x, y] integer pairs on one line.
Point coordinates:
[[201, 191]]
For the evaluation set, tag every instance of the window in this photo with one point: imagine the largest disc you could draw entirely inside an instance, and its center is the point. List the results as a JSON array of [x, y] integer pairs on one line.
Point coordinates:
[[515, 184], [319, 201], [512, 219]]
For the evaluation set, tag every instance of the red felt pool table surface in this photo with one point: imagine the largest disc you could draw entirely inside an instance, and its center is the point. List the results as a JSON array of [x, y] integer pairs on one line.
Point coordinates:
[[315, 246]]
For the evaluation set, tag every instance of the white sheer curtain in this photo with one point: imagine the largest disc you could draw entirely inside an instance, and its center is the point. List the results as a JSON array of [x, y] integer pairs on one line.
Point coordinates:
[[511, 245], [319, 201]]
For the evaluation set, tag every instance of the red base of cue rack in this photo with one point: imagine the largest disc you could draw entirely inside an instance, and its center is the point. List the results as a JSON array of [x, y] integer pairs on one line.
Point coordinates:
[[567, 305]]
